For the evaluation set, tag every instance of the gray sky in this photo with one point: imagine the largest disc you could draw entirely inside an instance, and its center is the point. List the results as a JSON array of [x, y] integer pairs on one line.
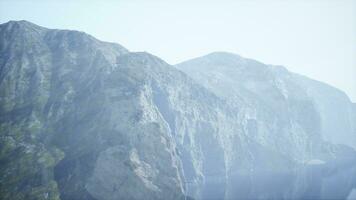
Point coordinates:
[[316, 38]]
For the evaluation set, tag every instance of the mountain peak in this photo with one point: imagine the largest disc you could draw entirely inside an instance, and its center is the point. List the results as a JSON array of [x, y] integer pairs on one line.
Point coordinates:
[[21, 24], [222, 53], [221, 58], [217, 57], [27, 33]]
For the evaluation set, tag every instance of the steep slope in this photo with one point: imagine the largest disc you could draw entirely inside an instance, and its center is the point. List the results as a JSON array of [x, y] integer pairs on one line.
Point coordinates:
[[292, 114], [336, 111], [276, 110], [85, 119], [90, 120], [236, 78], [70, 126]]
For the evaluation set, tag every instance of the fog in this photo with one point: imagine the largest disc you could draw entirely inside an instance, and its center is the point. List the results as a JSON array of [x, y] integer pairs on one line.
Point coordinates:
[[315, 38], [178, 100]]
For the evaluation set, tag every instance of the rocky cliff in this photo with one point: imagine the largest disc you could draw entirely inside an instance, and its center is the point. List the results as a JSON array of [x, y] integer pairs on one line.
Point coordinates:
[[304, 120], [86, 119], [76, 125]]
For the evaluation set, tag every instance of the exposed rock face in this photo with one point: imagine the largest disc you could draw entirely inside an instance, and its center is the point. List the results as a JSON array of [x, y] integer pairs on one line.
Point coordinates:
[[85, 119], [335, 109], [290, 114], [75, 124], [331, 114]]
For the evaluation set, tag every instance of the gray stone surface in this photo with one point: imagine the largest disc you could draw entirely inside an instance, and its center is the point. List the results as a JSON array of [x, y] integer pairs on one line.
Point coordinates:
[[86, 119]]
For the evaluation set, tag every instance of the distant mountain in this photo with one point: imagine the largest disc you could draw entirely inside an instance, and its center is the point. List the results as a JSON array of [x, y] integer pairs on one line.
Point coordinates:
[[233, 78], [294, 115], [86, 119]]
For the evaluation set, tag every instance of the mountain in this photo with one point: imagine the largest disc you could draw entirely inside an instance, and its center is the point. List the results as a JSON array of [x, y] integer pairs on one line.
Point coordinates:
[[86, 119], [301, 118], [233, 78], [71, 118]]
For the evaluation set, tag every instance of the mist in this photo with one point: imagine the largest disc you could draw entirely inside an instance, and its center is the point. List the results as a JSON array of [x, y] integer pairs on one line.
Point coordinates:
[[314, 38], [177, 100]]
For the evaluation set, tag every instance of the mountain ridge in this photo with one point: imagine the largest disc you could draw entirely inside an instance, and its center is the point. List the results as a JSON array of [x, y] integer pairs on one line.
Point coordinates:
[[25, 23], [85, 119], [239, 57]]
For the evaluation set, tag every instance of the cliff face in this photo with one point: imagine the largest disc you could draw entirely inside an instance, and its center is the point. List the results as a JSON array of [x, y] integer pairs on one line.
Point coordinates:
[[85, 119], [73, 124], [290, 114], [336, 111], [330, 112]]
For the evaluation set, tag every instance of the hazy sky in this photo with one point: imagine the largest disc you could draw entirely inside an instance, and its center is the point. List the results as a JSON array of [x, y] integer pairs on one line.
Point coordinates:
[[316, 38]]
